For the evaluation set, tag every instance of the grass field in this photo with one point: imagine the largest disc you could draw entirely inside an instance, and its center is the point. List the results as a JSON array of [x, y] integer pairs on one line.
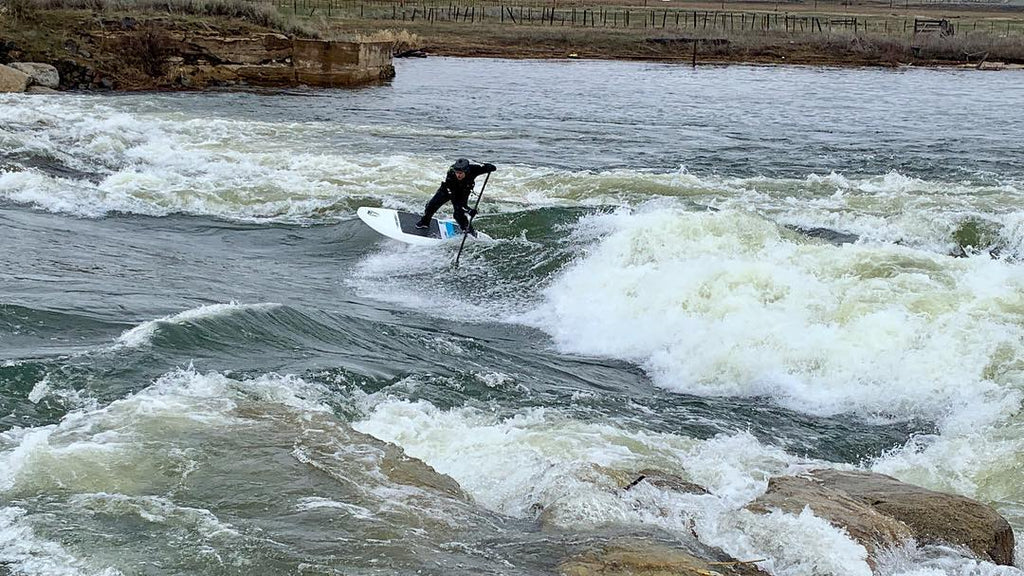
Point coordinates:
[[872, 33]]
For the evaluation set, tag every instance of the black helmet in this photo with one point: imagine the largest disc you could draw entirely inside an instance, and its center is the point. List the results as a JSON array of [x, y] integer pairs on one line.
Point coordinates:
[[461, 165]]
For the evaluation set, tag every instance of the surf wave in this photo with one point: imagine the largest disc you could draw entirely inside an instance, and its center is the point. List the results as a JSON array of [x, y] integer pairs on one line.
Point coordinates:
[[144, 333], [158, 163]]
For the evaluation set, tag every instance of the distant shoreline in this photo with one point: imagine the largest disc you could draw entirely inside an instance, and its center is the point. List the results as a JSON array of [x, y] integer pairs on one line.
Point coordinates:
[[167, 46]]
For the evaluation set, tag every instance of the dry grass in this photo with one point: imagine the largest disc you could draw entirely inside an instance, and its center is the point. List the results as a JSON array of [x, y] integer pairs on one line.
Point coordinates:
[[258, 14], [839, 46], [401, 40], [17, 10]]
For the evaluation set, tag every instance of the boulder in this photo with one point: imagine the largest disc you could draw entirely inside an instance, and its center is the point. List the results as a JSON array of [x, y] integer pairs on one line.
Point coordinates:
[[932, 516], [866, 526], [879, 511], [12, 80], [40, 90], [39, 74]]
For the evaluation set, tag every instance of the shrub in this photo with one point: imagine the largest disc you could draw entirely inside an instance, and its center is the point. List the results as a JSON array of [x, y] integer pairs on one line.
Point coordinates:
[[147, 49], [17, 9]]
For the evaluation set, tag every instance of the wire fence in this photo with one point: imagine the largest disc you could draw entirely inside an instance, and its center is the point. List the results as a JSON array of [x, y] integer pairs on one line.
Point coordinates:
[[638, 17]]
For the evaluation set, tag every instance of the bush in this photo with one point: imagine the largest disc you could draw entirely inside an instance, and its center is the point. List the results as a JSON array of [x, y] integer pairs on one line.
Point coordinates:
[[147, 49], [17, 9]]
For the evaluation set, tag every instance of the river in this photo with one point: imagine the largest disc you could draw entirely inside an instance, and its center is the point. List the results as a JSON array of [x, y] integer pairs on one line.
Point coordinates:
[[209, 365]]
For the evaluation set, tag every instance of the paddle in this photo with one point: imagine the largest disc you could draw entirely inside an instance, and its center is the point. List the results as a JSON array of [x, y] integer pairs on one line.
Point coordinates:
[[465, 232]]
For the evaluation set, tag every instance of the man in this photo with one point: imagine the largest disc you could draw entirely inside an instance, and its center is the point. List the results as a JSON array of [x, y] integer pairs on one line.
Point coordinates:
[[457, 186]]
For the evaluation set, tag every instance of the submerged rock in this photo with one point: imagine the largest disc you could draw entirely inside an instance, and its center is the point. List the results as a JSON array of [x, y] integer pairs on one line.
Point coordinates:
[[880, 511], [643, 558], [665, 481]]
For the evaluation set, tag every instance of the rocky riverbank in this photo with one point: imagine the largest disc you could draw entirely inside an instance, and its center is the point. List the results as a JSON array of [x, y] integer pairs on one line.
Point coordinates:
[[160, 53]]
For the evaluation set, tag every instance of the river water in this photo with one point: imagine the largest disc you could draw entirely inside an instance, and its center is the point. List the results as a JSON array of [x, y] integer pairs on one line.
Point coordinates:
[[208, 365]]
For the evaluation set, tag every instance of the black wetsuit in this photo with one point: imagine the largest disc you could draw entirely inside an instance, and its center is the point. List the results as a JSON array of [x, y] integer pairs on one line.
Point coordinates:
[[458, 192]]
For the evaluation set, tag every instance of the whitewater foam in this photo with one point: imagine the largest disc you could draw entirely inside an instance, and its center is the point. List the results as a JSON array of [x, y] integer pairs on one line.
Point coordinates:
[[23, 552], [99, 450], [157, 510], [820, 329]]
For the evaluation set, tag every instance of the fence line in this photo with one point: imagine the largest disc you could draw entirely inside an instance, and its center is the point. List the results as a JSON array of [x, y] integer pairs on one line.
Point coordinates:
[[640, 17]]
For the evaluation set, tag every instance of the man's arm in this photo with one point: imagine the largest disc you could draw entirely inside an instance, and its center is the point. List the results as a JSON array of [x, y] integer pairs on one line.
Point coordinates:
[[478, 169]]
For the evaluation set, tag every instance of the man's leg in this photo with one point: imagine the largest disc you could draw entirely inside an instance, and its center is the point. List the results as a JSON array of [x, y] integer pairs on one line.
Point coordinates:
[[460, 217], [459, 207], [438, 200]]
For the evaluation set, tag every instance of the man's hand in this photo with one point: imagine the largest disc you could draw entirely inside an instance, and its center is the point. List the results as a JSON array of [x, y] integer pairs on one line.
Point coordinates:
[[489, 168], [471, 212]]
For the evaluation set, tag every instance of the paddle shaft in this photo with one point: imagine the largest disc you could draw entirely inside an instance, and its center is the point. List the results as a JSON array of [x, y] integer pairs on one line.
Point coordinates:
[[466, 231]]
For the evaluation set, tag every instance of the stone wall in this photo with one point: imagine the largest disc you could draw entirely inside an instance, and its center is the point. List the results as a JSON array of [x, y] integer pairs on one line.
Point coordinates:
[[276, 60], [155, 58]]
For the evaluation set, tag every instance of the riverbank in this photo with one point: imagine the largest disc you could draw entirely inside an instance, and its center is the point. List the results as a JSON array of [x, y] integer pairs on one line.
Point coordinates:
[[147, 46], [153, 50]]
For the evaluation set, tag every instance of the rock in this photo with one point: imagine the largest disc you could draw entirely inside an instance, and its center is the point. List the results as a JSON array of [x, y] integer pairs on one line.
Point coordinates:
[[12, 80], [414, 53], [932, 516], [39, 74], [879, 511], [665, 481], [643, 558], [869, 528], [40, 90], [72, 73], [992, 66]]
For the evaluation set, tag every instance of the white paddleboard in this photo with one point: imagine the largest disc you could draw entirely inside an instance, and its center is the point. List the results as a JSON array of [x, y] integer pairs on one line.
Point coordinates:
[[402, 227]]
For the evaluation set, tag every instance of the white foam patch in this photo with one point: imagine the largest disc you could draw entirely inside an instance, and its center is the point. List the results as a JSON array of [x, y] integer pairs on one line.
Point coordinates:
[[796, 545], [914, 560], [157, 510], [414, 277], [105, 450], [722, 304], [143, 333], [24, 553], [508, 465], [149, 162], [68, 397], [315, 503]]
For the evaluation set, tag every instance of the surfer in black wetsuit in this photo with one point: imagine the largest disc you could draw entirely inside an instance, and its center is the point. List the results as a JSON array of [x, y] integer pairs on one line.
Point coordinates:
[[457, 186]]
